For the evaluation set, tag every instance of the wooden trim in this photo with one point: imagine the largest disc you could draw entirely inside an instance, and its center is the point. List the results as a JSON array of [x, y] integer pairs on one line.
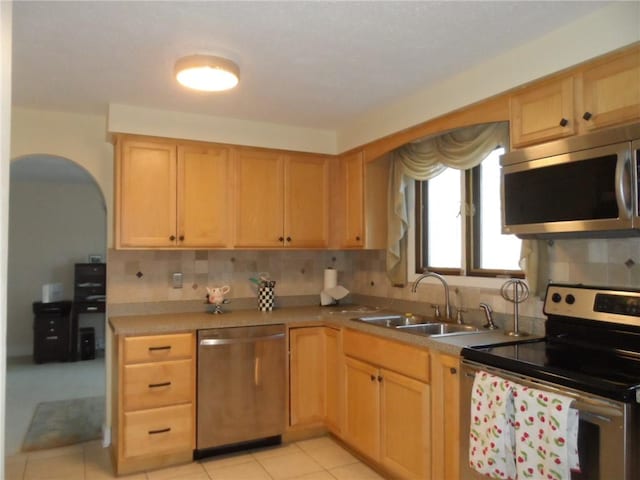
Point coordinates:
[[495, 109]]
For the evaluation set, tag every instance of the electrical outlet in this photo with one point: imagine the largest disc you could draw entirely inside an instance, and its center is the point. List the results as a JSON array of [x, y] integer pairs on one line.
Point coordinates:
[[176, 280]]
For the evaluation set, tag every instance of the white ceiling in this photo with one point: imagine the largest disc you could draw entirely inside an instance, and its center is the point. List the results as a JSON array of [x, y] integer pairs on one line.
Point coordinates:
[[313, 64]]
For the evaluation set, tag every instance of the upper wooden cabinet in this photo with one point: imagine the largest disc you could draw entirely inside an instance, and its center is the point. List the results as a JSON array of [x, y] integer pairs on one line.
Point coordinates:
[[170, 195], [359, 200], [542, 113], [601, 94], [281, 199], [353, 178], [611, 91]]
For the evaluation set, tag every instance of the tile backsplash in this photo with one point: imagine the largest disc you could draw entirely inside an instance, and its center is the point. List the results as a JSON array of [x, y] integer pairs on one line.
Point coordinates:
[[145, 276]]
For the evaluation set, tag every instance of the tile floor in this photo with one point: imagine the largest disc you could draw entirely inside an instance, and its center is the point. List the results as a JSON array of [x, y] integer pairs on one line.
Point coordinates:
[[316, 459]]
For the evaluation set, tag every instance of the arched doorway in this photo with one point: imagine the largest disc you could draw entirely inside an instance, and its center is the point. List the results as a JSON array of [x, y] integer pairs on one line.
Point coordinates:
[[57, 218]]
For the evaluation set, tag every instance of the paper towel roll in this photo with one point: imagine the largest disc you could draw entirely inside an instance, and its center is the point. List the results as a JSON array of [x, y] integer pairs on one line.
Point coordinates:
[[330, 278]]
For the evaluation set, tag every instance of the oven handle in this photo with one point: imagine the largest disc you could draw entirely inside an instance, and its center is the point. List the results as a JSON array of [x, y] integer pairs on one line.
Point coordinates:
[[587, 406]]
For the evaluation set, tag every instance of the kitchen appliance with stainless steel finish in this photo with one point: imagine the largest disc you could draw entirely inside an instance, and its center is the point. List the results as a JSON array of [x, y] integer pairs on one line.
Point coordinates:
[[241, 388], [574, 187], [591, 353]]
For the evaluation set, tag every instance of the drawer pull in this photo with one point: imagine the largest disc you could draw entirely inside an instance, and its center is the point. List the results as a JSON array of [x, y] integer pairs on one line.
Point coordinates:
[[159, 385], [54, 337], [92, 309], [162, 430], [166, 347]]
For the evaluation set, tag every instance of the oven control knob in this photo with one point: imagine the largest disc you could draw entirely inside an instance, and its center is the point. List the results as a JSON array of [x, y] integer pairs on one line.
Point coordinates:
[[556, 297], [570, 299]]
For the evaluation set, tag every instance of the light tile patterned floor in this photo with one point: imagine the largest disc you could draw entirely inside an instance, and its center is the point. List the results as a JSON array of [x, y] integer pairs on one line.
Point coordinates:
[[316, 459]]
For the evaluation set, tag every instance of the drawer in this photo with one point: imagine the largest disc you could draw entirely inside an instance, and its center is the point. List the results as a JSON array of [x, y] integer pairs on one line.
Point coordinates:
[[149, 385], [155, 348], [396, 356], [158, 431]]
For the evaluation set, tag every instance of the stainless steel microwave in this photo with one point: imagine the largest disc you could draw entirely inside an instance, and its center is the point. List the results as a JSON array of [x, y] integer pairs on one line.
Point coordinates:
[[583, 186]]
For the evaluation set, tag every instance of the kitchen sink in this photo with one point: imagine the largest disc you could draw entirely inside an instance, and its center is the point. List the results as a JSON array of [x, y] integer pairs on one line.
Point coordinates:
[[437, 328], [391, 320]]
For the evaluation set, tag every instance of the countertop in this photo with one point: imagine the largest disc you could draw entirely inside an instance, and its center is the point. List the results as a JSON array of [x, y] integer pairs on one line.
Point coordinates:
[[155, 324]]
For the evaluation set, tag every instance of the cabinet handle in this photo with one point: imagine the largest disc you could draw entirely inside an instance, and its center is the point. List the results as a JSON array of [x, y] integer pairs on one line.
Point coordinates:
[[380, 378], [564, 122], [281, 239], [172, 238], [288, 239], [587, 116], [181, 238], [92, 309], [162, 430], [55, 337], [357, 238], [453, 370], [165, 347], [159, 385], [373, 378]]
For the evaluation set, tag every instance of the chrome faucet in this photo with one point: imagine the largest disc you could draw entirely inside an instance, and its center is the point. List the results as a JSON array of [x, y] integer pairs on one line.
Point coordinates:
[[447, 301]]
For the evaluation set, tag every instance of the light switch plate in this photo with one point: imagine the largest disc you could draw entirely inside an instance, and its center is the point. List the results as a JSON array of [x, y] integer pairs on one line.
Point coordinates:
[[176, 279]]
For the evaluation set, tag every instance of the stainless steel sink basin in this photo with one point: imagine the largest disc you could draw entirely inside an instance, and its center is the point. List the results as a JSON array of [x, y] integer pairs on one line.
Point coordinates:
[[391, 320], [438, 328]]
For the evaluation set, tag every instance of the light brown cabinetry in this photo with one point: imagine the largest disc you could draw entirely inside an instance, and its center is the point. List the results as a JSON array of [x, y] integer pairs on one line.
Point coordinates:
[[153, 401], [445, 416], [601, 94], [170, 195], [542, 113], [281, 199], [387, 403], [359, 201], [314, 372]]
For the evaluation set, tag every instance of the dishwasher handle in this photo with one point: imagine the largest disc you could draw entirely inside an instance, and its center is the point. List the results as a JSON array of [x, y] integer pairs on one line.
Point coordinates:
[[210, 342]]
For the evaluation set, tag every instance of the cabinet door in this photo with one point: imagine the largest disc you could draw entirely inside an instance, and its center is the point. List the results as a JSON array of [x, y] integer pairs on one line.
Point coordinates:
[[146, 195], [306, 207], [362, 407], [445, 413], [307, 375], [259, 188], [334, 365], [405, 429], [353, 177], [611, 91], [542, 113], [203, 196]]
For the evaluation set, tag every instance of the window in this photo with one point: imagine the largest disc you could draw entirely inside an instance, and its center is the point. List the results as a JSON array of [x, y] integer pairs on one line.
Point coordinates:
[[458, 223]]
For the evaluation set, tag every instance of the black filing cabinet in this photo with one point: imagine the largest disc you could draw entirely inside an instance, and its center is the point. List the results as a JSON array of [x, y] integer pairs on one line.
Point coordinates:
[[51, 331], [89, 296]]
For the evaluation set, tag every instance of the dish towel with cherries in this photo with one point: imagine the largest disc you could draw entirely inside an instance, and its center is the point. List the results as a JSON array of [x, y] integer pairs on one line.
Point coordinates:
[[546, 434], [491, 442]]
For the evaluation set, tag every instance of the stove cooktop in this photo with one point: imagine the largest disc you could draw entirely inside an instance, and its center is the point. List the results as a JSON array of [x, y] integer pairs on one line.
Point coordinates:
[[611, 374]]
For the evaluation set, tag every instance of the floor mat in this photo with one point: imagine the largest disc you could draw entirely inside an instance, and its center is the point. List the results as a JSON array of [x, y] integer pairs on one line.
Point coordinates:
[[65, 422]]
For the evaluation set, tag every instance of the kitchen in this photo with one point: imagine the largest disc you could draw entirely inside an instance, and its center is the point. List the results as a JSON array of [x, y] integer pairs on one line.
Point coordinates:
[[363, 270]]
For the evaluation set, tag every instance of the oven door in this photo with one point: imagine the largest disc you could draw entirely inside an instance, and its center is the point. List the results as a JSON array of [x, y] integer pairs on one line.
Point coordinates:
[[606, 437]]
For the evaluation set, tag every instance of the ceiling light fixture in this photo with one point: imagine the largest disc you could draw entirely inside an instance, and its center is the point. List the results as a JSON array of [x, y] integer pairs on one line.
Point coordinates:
[[207, 73]]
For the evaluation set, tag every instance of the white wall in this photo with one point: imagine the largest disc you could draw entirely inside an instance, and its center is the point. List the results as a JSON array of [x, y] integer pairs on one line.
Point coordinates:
[[5, 131], [80, 138], [603, 31], [51, 227]]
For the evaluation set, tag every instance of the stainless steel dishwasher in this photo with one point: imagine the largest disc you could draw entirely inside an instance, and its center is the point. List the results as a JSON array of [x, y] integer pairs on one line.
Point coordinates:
[[241, 387]]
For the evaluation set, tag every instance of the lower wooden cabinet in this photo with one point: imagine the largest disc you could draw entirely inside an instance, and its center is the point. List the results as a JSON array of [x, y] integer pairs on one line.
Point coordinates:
[[314, 377], [445, 416], [153, 402], [387, 413]]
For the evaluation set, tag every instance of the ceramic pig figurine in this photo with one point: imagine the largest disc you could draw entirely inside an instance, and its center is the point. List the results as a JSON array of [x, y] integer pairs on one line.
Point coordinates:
[[216, 295]]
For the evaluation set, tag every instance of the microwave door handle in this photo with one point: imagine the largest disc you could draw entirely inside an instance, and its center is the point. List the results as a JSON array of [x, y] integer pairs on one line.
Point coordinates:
[[623, 187]]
